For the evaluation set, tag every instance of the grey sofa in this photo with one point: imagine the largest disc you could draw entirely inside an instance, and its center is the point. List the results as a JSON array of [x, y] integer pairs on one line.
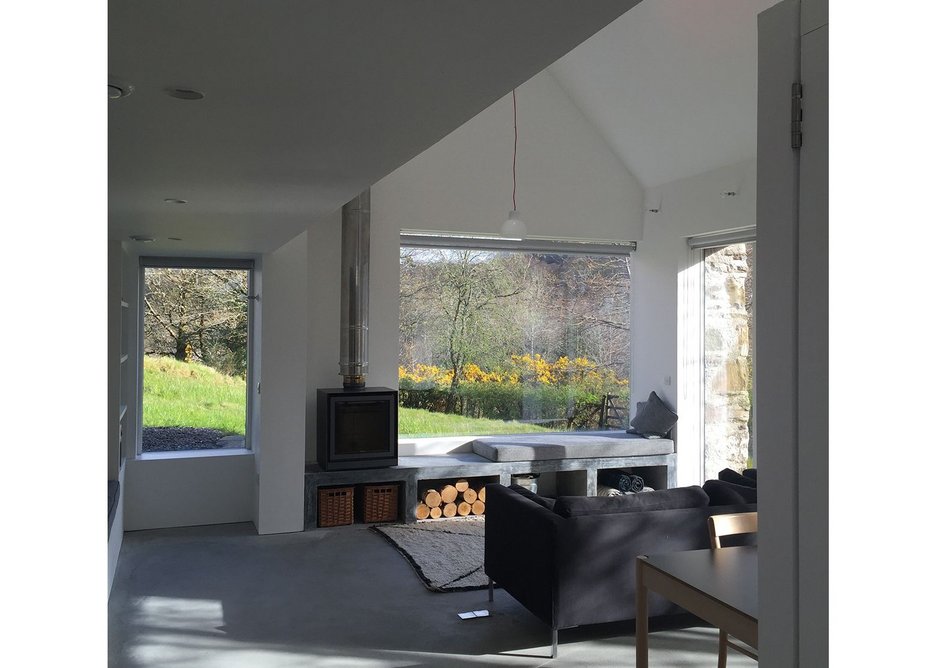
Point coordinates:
[[580, 568]]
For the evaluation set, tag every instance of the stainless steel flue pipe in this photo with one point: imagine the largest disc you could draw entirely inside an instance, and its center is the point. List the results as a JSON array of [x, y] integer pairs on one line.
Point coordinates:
[[356, 259]]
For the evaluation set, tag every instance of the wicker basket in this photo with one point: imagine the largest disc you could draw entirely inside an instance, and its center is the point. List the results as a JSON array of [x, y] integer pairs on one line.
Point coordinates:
[[336, 506], [380, 503]]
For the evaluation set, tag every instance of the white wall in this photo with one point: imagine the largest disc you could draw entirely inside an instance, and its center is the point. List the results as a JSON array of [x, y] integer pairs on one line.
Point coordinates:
[[280, 450], [188, 490], [569, 183], [323, 301], [688, 207]]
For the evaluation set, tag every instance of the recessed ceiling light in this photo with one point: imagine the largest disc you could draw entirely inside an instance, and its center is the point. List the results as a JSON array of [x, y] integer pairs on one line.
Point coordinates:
[[173, 200], [185, 93], [141, 238]]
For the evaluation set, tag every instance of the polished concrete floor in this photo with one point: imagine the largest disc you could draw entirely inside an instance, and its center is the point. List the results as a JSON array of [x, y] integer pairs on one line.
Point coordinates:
[[224, 597]]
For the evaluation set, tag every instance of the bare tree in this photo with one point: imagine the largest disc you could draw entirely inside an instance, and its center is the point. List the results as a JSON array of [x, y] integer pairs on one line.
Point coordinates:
[[591, 295], [197, 314], [463, 306]]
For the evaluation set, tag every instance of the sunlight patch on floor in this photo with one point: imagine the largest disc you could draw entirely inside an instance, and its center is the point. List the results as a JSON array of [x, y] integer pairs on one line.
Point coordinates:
[[184, 614]]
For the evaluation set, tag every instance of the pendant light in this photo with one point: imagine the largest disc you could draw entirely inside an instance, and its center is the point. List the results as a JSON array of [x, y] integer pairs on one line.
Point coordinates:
[[514, 227]]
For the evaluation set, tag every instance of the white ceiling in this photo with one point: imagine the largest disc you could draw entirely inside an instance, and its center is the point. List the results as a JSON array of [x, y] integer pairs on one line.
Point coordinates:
[[307, 102], [671, 85]]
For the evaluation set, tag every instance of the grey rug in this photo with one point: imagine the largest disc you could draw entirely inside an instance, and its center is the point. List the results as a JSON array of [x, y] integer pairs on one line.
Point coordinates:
[[447, 554]]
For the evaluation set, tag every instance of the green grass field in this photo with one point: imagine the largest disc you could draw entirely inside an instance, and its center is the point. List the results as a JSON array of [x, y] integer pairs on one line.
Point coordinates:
[[187, 394], [415, 423]]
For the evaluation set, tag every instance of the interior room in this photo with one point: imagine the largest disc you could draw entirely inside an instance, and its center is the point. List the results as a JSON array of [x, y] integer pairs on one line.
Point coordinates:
[[241, 136]]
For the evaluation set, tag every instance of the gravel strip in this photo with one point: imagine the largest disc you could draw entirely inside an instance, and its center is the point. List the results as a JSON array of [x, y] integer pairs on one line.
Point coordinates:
[[170, 439]]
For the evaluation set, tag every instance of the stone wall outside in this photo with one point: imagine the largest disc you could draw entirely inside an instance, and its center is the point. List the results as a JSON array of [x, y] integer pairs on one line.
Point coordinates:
[[728, 345]]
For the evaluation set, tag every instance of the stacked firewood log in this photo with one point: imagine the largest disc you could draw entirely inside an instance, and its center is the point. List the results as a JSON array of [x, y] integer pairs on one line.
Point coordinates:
[[451, 500]]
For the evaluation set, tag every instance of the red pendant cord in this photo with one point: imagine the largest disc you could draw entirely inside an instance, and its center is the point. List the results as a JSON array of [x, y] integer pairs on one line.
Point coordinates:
[[514, 167]]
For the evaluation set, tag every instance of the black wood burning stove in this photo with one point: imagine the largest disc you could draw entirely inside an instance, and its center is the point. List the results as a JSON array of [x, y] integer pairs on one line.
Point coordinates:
[[357, 425], [357, 428]]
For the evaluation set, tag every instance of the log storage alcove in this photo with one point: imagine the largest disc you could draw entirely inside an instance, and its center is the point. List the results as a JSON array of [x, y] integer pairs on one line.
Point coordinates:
[[451, 498]]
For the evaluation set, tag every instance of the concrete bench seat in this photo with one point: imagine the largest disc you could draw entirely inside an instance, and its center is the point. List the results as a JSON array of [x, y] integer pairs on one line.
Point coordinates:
[[575, 459], [582, 445]]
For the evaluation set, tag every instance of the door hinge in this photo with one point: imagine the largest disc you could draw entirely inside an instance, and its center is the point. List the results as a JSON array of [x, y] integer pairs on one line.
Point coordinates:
[[797, 115]]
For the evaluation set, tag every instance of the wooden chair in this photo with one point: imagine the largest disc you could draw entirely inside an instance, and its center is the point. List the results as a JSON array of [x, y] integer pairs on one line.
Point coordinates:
[[731, 524]]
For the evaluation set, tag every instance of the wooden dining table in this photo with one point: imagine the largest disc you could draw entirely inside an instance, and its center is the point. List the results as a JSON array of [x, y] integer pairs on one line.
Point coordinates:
[[719, 586]]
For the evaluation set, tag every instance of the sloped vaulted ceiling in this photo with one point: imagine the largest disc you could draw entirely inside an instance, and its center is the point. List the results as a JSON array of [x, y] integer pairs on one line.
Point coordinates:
[[671, 85], [306, 102]]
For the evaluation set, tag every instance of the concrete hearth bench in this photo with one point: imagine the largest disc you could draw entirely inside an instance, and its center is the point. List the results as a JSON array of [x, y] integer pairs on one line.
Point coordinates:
[[574, 458]]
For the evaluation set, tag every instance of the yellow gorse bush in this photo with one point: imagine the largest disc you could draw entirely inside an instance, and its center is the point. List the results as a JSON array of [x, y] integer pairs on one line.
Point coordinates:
[[422, 373], [524, 368]]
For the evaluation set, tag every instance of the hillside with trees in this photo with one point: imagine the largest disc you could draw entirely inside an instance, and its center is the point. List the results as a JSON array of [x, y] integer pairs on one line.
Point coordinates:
[[514, 336], [197, 315]]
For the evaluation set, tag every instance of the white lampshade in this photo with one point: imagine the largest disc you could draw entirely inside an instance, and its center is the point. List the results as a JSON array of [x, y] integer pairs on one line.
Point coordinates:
[[514, 227]]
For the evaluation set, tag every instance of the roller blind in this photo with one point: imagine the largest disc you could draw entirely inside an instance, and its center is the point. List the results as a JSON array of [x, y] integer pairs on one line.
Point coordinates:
[[196, 263], [739, 236], [564, 247]]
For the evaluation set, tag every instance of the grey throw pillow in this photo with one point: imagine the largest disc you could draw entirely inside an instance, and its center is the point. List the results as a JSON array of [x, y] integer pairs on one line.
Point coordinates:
[[654, 418]]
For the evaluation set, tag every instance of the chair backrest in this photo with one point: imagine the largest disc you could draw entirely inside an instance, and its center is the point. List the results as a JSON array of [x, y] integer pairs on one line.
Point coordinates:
[[730, 524]]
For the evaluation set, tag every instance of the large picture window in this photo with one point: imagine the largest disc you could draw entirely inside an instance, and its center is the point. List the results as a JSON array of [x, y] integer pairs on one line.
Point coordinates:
[[196, 354], [496, 341]]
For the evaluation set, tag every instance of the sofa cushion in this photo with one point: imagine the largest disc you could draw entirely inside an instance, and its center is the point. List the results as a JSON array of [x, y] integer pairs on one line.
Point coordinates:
[[588, 445], [663, 499], [751, 473], [654, 418], [536, 498], [728, 475], [722, 493]]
